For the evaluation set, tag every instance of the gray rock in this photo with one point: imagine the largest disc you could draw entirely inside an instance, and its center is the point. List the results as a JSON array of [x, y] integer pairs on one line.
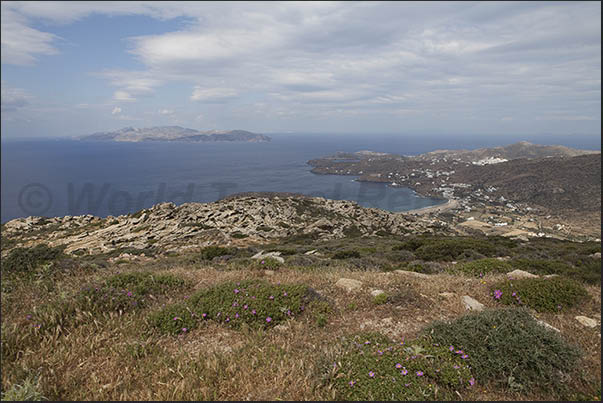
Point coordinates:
[[472, 304], [586, 321], [375, 293], [596, 255], [411, 273], [520, 274], [349, 284], [543, 323]]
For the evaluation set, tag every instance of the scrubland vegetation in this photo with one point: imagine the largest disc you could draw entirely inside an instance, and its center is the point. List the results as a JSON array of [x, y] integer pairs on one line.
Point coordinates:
[[217, 324]]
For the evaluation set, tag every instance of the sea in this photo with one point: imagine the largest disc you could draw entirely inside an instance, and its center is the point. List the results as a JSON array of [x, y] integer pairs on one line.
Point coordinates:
[[58, 177]]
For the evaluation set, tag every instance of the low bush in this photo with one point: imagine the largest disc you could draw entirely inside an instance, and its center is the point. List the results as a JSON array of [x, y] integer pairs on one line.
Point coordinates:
[[482, 266], [542, 294], [24, 260], [252, 302], [210, 252], [346, 254], [587, 270], [144, 283], [173, 319], [25, 391], [380, 299], [268, 263], [372, 367], [508, 347]]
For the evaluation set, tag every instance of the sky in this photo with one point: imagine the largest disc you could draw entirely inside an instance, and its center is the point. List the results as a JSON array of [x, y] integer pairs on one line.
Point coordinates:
[[477, 68]]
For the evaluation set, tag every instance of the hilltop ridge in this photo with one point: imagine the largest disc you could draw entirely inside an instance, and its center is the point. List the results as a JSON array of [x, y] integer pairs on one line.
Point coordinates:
[[175, 133]]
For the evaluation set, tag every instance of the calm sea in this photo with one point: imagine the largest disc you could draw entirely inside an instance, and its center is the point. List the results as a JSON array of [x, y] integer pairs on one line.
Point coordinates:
[[70, 177]]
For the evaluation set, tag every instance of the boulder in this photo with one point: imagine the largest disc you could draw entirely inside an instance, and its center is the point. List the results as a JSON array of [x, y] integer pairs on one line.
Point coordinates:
[[596, 255], [349, 284], [520, 274], [412, 273], [588, 322], [274, 255], [472, 304], [375, 293]]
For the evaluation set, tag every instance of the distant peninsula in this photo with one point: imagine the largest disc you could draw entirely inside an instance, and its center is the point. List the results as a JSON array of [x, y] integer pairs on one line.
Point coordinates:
[[175, 133]]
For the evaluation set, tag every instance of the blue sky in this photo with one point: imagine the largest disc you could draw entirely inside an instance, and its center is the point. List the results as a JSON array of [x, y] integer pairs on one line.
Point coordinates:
[[73, 68]]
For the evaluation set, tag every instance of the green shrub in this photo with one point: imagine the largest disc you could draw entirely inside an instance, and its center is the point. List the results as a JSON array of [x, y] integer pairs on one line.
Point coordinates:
[[508, 347], [173, 319], [210, 252], [587, 270], [255, 303], [483, 266], [380, 299], [542, 294], [23, 260], [454, 248], [268, 263], [346, 254], [25, 391], [238, 235], [144, 283], [371, 367]]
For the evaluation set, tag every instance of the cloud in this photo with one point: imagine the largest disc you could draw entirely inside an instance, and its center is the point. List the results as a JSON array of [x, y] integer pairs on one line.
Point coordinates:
[[123, 96], [14, 98], [116, 111], [21, 44], [212, 94], [166, 112]]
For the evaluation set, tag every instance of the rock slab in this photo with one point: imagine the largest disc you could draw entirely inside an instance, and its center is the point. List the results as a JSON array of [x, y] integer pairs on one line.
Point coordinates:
[[472, 304], [349, 284]]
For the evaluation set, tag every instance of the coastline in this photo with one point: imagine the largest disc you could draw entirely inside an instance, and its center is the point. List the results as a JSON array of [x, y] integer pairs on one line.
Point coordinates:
[[450, 204]]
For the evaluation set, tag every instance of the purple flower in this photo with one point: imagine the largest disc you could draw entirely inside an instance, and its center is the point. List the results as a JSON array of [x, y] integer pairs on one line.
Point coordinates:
[[184, 329], [380, 352], [464, 356], [371, 374], [227, 319], [245, 306], [456, 366], [268, 319], [236, 316], [398, 365], [263, 262], [472, 381], [176, 318], [419, 373], [459, 351], [235, 303], [129, 293], [367, 342], [236, 290], [404, 372], [514, 293], [271, 297], [253, 312], [497, 294], [285, 294], [28, 317], [204, 315], [451, 348], [351, 383]]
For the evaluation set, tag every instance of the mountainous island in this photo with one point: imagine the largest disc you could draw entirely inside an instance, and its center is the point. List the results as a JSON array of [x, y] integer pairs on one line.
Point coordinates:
[[495, 295], [176, 133]]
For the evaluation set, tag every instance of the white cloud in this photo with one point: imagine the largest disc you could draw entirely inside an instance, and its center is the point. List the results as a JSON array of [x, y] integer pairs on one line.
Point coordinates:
[[123, 96], [212, 94], [116, 111], [166, 112], [14, 98], [20, 43]]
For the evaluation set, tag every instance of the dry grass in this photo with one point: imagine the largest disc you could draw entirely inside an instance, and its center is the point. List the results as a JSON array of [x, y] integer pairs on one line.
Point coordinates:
[[119, 358]]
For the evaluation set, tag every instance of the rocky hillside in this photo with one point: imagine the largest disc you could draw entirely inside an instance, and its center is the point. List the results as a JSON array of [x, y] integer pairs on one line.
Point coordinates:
[[522, 149], [259, 217], [175, 133]]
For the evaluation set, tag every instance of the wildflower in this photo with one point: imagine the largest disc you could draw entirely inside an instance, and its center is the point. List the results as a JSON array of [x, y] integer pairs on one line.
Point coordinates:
[[301, 308], [204, 315], [464, 356], [351, 383], [472, 381], [129, 293], [176, 318], [380, 352], [514, 293], [367, 342], [227, 319], [184, 329], [456, 366], [451, 348], [235, 303], [268, 319], [497, 294], [398, 365], [245, 306], [271, 297], [285, 294], [371, 374], [404, 371], [419, 373], [559, 307], [236, 316], [236, 291], [28, 317], [263, 262], [459, 351], [253, 312]]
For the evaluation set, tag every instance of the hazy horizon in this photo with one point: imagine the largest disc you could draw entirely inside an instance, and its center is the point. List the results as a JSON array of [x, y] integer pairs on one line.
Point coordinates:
[[410, 68]]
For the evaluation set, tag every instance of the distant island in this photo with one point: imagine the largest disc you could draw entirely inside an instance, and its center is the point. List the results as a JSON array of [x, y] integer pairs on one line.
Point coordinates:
[[175, 133]]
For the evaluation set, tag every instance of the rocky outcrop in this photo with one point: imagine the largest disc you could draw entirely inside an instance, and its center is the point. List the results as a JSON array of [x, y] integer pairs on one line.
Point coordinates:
[[232, 221]]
